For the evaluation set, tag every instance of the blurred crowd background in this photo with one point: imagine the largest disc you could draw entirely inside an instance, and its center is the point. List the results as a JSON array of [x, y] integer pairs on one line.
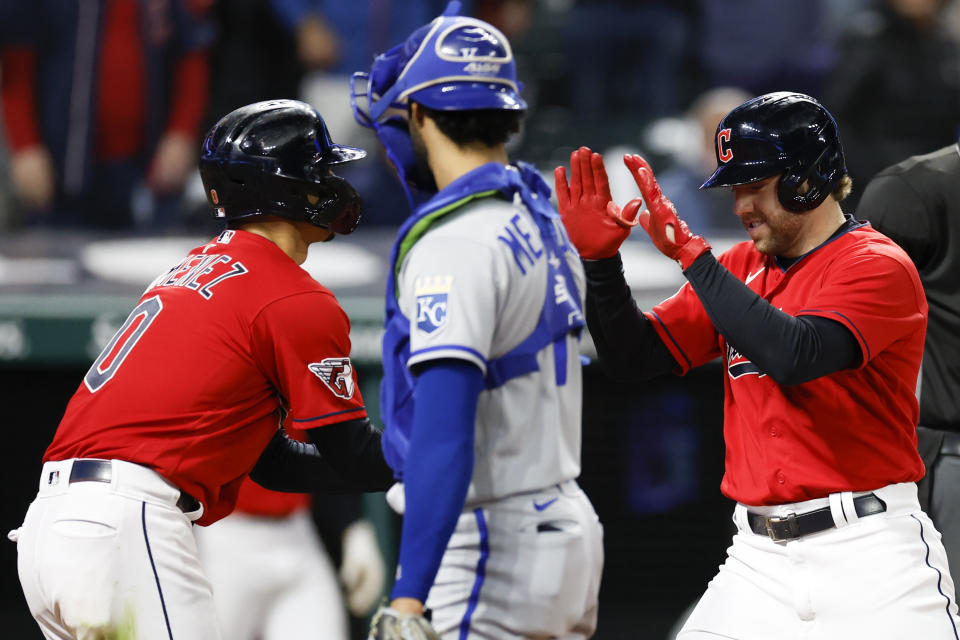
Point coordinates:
[[104, 104], [105, 101]]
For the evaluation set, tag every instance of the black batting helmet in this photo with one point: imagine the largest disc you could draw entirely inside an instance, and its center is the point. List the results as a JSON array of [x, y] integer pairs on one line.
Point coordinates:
[[786, 134], [274, 158]]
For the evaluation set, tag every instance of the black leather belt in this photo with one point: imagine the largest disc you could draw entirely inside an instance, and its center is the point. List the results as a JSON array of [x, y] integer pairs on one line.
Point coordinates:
[[793, 526], [93, 470]]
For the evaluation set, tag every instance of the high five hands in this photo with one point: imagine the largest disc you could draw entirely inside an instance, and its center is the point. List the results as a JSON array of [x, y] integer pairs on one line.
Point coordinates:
[[597, 226]]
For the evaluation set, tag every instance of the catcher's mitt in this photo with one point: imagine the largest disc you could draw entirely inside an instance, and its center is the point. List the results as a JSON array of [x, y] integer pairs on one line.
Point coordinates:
[[388, 624]]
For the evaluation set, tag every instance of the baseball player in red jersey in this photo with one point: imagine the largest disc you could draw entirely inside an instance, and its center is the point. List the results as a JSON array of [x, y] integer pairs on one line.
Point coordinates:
[[820, 322], [187, 398]]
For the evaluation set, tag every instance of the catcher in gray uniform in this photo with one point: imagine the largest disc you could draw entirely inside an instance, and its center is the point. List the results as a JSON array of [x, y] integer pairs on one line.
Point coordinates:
[[482, 375]]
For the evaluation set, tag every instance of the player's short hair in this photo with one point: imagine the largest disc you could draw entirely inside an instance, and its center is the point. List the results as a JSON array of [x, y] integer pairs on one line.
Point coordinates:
[[843, 189], [489, 127]]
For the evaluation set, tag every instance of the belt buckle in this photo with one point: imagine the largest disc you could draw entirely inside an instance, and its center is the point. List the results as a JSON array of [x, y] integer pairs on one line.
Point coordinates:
[[790, 519]]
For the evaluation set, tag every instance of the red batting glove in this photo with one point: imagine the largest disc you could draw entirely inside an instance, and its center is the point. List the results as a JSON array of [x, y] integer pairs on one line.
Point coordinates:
[[669, 233], [594, 222]]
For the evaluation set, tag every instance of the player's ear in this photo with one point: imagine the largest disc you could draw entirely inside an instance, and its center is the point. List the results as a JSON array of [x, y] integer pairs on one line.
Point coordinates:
[[417, 113]]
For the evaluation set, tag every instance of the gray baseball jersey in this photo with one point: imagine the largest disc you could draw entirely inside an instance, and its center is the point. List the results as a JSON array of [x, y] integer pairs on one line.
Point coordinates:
[[473, 287]]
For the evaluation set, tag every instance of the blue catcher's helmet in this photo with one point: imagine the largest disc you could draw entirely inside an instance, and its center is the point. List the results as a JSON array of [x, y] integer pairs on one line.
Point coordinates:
[[786, 134], [454, 63], [274, 158]]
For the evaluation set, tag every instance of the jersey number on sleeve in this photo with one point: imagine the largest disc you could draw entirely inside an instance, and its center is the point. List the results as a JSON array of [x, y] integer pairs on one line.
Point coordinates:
[[113, 355]]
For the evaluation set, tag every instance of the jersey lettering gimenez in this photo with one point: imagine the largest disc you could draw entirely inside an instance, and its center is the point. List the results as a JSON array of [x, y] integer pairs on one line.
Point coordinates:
[[853, 430], [217, 351]]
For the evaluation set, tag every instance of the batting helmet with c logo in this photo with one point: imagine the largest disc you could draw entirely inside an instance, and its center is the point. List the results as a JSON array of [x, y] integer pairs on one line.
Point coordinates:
[[786, 134]]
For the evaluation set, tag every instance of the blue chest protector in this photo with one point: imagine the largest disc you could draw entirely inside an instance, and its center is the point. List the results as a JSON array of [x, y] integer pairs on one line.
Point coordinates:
[[560, 315]]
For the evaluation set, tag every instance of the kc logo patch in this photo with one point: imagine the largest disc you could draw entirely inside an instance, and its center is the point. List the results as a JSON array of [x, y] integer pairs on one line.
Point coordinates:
[[432, 293], [336, 373]]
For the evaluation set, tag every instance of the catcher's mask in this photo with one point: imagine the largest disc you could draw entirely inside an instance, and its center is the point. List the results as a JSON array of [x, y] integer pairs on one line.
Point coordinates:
[[454, 63]]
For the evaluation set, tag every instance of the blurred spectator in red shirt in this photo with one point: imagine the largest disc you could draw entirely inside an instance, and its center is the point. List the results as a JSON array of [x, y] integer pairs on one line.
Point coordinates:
[[103, 102]]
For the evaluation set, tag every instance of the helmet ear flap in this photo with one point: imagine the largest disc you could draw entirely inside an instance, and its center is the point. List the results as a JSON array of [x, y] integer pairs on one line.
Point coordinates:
[[336, 205], [791, 191], [788, 192]]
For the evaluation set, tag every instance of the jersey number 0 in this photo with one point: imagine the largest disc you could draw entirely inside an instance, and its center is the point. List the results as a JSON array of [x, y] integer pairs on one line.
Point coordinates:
[[113, 355]]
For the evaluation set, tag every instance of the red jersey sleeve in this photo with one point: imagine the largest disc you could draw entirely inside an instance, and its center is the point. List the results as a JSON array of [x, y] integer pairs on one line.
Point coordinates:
[[876, 293], [302, 343], [686, 329]]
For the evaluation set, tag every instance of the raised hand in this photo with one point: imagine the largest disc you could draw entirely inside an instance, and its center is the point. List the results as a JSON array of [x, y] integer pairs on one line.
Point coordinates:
[[668, 232], [596, 225]]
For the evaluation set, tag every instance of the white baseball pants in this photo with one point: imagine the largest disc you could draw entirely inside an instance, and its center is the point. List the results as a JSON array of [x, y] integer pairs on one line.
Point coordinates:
[[882, 577], [527, 566], [115, 559]]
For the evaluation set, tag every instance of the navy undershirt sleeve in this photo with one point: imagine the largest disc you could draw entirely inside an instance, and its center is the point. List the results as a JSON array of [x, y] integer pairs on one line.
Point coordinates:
[[628, 346], [296, 467], [353, 448], [438, 468], [790, 349]]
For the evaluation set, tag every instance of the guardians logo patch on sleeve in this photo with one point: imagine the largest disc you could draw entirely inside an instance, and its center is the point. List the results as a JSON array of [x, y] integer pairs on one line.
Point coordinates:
[[737, 365], [432, 293], [336, 373]]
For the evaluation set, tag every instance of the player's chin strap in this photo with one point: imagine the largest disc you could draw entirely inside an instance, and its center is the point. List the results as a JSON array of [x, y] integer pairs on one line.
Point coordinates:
[[386, 114]]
